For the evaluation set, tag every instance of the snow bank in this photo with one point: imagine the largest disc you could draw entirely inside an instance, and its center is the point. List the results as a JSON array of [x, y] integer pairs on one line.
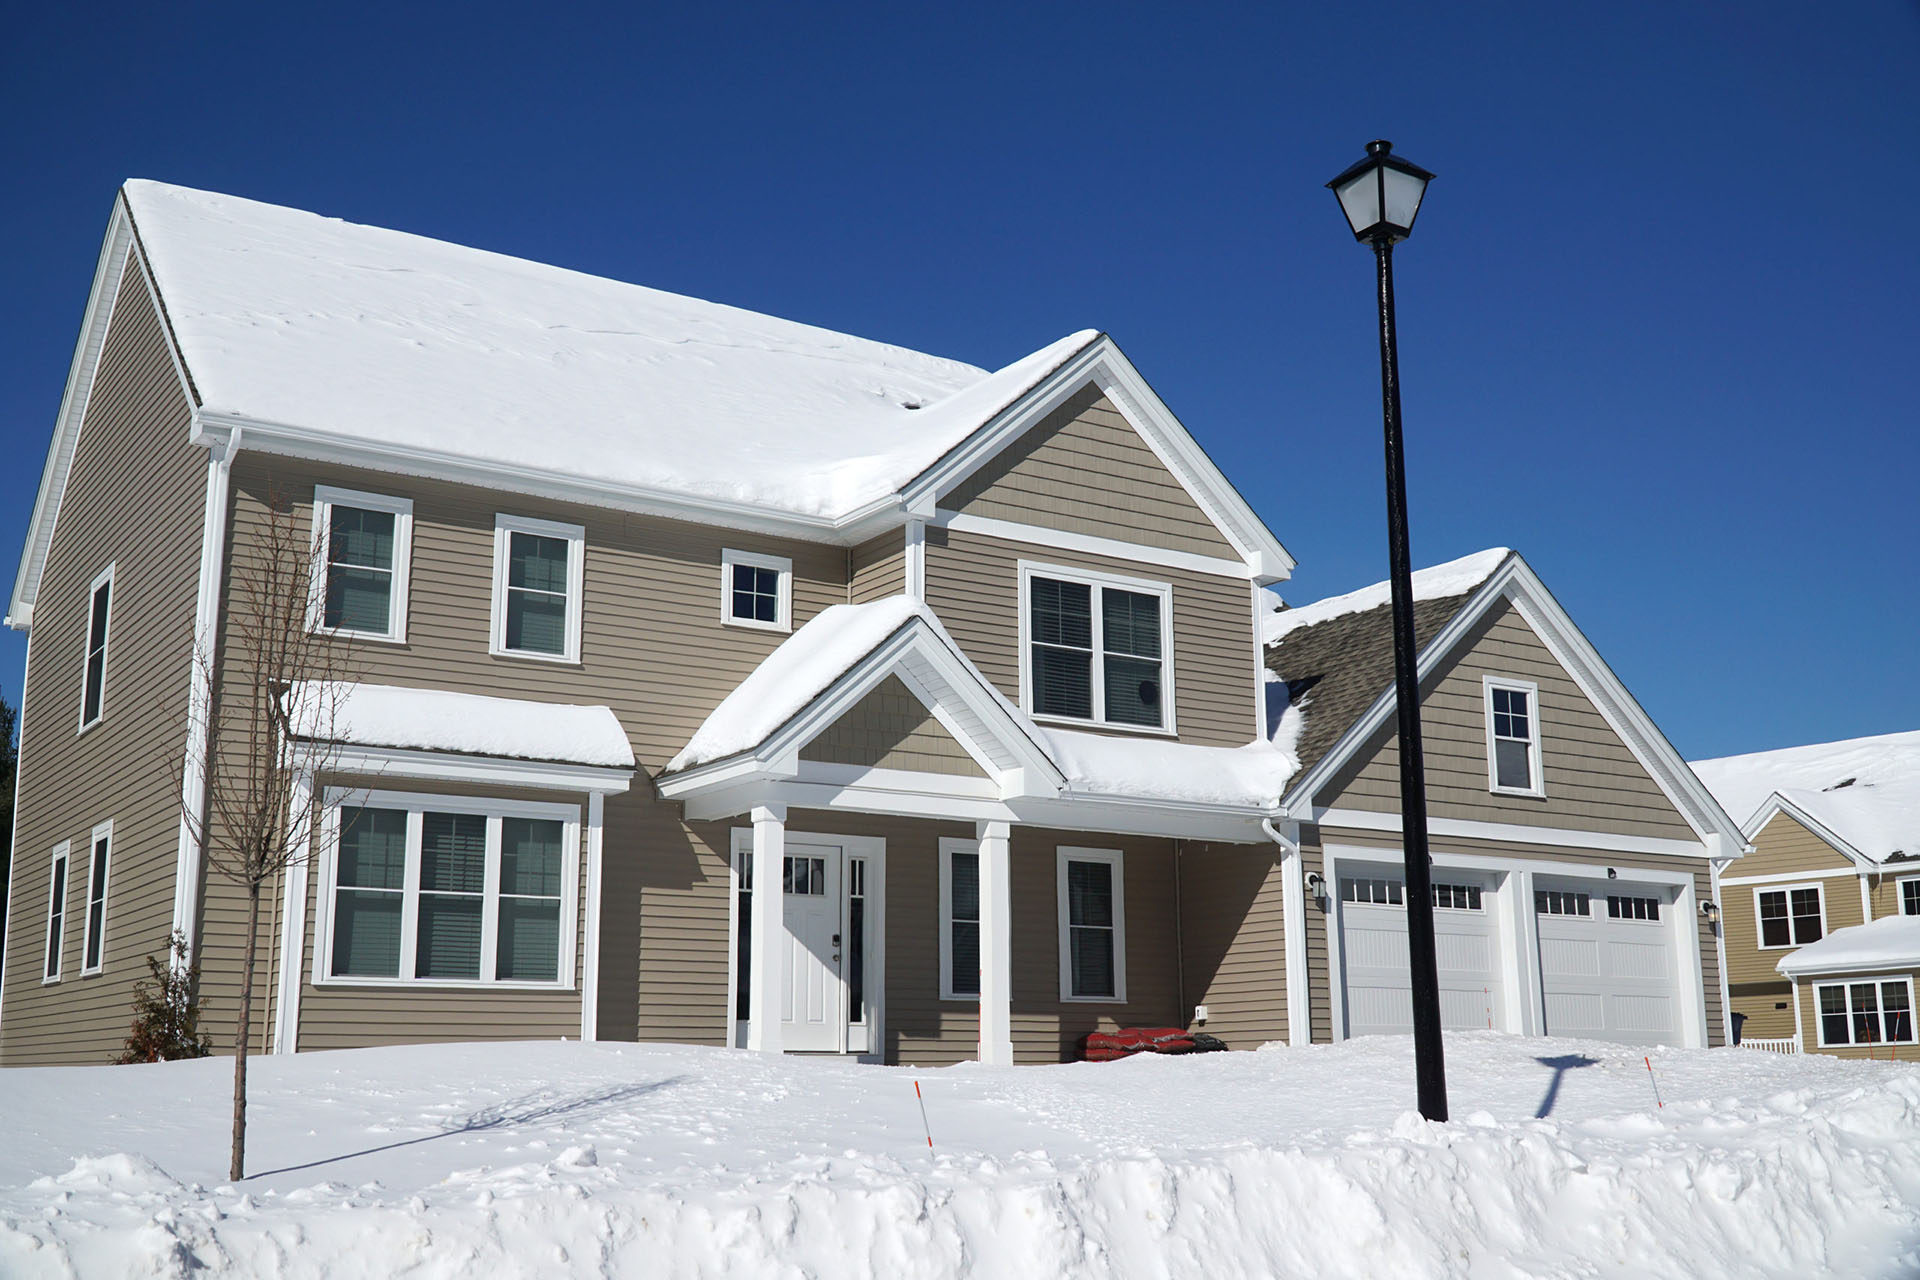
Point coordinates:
[[1891, 942], [381, 715], [464, 353], [540, 1159], [1454, 578], [1865, 790]]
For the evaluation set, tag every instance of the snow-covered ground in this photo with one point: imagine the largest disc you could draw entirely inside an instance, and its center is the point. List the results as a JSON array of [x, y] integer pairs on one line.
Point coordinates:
[[641, 1160]]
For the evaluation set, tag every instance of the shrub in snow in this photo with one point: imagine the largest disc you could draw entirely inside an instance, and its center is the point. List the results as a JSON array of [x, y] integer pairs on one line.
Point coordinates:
[[166, 1017]]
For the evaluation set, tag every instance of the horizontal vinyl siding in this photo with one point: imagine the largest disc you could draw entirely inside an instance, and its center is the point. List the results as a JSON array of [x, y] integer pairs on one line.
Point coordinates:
[[1785, 846], [1233, 941], [1593, 780], [891, 729], [1696, 868], [653, 648], [1755, 985], [973, 584], [877, 568], [135, 498], [1319, 1011], [1084, 469]]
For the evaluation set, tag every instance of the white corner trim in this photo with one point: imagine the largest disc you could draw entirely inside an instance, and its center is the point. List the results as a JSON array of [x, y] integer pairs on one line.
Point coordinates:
[[293, 925], [1089, 544], [1458, 828], [914, 560], [590, 958]]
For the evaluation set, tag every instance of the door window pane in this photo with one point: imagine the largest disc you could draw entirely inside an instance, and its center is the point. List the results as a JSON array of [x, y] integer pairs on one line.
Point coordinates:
[[1090, 927], [856, 941], [963, 978]]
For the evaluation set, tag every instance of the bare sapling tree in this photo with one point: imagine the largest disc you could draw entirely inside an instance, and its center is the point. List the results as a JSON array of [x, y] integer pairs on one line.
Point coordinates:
[[273, 712]]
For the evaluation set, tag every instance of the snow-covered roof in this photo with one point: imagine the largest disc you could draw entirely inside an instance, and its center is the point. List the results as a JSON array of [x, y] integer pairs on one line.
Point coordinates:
[[1890, 942], [460, 352], [1437, 582], [1866, 791], [380, 715], [820, 653]]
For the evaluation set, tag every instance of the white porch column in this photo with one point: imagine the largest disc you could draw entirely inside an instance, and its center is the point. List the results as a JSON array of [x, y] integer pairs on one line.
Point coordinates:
[[766, 952], [996, 944]]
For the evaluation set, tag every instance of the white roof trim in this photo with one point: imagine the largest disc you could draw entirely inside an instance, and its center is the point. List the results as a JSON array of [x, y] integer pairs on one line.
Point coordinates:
[[115, 251], [1102, 363], [388, 763], [944, 681], [1778, 803], [1514, 580]]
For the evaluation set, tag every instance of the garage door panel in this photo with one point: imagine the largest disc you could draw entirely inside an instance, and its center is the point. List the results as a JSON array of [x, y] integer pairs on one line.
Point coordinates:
[[1639, 960], [1605, 975], [1572, 1013], [1569, 957], [1463, 952], [1644, 1013], [1375, 961], [1379, 1010]]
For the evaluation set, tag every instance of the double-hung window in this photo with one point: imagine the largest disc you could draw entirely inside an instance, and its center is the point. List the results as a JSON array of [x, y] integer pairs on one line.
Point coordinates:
[[449, 891], [363, 549], [93, 683], [1093, 931], [1910, 896], [539, 572], [1513, 737], [756, 591], [56, 912], [1868, 1011], [1096, 648], [93, 950], [959, 919], [1790, 916]]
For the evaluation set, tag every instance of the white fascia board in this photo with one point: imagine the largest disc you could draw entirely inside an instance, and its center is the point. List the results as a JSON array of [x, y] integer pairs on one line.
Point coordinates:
[[1461, 829], [1777, 804], [1087, 544], [441, 766], [1893, 967], [1515, 581], [115, 250], [1102, 363]]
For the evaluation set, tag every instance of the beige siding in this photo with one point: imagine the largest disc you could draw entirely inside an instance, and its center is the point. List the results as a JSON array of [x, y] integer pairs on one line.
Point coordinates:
[[877, 568], [1593, 780], [1805, 991], [1319, 1010], [135, 498], [973, 584], [1697, 868], [1084, 469], [1233, 953], [1754, 986], [891, 729]]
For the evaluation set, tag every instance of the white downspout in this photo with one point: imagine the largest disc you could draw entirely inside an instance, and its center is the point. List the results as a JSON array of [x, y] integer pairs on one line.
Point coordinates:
[[1293, 914]]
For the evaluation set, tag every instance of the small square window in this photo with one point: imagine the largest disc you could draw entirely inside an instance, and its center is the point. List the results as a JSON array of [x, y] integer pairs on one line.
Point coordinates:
[[756, 591]]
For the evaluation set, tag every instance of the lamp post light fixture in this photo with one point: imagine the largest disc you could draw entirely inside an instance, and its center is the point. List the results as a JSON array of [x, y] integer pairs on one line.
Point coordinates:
[[1381, 197]]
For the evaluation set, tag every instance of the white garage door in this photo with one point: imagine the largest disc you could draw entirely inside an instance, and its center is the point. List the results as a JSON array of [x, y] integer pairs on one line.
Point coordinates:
[[1607, 967], [1373, 951]]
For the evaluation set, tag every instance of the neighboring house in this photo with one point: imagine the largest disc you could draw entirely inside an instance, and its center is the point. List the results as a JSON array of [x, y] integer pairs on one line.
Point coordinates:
[[1818, 944], [1570, 843], [726, 680]]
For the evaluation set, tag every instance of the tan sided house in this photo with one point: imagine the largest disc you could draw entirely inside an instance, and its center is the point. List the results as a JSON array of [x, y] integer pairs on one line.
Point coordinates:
[[1822, 919], [725, 680]]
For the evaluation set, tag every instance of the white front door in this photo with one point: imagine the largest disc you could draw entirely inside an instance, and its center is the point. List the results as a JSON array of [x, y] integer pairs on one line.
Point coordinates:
[[813, 997]]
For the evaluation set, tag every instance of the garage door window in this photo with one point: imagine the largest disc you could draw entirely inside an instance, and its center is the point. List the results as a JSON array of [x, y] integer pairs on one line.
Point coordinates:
[[1875, 1012], [1791, 917], [1457, 897], [1562, 902], [1622, 908], [1385, 893]]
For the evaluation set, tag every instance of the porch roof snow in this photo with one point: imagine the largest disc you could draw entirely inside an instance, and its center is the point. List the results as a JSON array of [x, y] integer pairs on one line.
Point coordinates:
[[461, 353], [1252, 776], [1891, 942], [382, 715]]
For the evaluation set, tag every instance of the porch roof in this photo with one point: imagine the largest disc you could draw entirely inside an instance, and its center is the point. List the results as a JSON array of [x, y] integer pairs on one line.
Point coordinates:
[[381, 715]]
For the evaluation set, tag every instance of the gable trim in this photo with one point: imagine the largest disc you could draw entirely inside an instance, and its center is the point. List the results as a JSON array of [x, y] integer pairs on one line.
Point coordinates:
[[1516, 582], [1776, 804], [1088, 544], [1101, 363]]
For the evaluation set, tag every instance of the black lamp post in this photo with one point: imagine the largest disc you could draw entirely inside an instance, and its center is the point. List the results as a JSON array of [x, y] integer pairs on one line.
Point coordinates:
[[1381, 197]]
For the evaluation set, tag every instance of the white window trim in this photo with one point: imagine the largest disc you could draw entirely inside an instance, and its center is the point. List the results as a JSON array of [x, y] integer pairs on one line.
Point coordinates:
[[576, 536], [950, 845], [53, 955], [102, 832], [105, 577], [1534, 771], [325, 498], [1820, 1022], [416, 804], [1759, 938], [1029, 570], [1117, 860], [783, 618], [1900, 893]]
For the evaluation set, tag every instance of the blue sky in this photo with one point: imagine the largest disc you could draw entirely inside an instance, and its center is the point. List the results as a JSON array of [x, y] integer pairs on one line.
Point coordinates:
[[1657, 321]]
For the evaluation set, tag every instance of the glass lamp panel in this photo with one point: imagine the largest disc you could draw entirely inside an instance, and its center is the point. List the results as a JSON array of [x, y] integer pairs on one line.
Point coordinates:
[[1360, 199], [1403, 193]]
